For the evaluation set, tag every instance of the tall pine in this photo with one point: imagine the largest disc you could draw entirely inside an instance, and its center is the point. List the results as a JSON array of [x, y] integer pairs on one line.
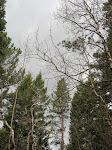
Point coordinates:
[[8, 58], [41, 103], [88, 121], [60, 103], [9, 77]]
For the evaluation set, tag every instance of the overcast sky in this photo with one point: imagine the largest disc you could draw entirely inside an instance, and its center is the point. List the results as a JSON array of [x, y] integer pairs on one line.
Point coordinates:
[[26, 16]]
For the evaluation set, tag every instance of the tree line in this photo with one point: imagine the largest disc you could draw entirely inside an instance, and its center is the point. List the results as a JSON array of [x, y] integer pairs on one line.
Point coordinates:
[[30, 117]]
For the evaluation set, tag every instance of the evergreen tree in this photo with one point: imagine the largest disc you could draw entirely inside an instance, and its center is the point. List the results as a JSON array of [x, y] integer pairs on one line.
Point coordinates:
[[2, 15], [88, 126], [60, 104], [9, 77], [8, 58], [22, 119], [103, 71], [29, 120], [41, 102]]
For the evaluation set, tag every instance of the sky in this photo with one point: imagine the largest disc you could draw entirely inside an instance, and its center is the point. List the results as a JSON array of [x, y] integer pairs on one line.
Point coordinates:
[[25, 17]]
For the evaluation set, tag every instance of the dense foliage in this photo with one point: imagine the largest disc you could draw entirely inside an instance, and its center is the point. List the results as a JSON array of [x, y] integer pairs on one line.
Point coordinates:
[[88, 126]]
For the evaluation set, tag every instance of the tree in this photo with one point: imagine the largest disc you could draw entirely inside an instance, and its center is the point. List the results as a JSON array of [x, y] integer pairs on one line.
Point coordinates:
[[60, 104], [90, 23], [88, 125], [101, 70], [22, 119], [40, 109], [29, 123], [8, 58], [9, 76], [87, 23], [102, 65], [2, 16]]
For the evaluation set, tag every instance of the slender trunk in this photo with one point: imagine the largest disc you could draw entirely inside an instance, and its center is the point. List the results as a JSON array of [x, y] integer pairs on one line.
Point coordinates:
[[91, 145], [28, 140], [11, 136], [62, 144]]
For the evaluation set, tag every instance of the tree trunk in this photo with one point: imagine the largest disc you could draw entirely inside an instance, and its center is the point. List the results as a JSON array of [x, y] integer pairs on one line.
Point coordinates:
[[62, 144]]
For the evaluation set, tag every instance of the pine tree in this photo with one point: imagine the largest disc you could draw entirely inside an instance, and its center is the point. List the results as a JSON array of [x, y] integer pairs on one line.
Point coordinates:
[[29, 120], [2, 15], [22, 115], [41, 102], [9, 77], [104, 73], [88, 125], [8, 58], [22, 120], [60, 104]]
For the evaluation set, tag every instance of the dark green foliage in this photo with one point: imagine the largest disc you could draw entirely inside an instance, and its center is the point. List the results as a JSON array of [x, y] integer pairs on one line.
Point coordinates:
[[8, 58], [22, 116], [76, 45], [88, 126], [104, 73], [108, 13], [4, 137], [2, 15], [39, 88], [31, 99], [61, 98], [9, 77], [42, 101]]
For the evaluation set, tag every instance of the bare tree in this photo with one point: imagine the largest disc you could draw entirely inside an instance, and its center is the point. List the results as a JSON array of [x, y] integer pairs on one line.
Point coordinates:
[[86, 20]]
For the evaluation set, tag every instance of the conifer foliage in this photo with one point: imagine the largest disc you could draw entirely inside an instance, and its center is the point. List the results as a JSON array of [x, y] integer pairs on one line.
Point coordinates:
[[9, 77], [88, 126], [8, 58], [29, 119], [60, 102]]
